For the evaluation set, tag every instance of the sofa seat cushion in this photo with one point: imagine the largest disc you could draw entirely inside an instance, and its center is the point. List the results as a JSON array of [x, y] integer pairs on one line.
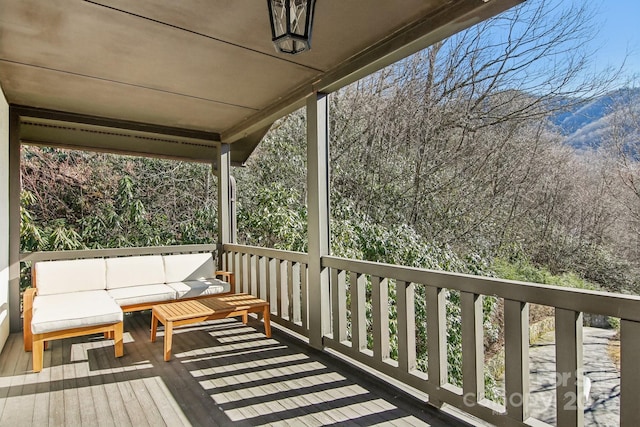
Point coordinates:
[[196, 288], [142, 294], [59, 312]]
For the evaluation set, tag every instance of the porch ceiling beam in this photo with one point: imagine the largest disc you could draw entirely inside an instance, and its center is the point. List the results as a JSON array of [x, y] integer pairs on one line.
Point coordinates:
[[79, 132], [178, 153], [455, 17], [23, 111]]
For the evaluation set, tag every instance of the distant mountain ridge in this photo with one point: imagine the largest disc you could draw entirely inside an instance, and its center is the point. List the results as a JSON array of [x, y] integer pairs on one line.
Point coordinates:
[[586, 125]]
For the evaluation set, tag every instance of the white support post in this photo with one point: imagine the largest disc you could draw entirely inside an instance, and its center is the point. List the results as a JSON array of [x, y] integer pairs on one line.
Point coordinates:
[[224, 200], [318, 216], [14, 221], [4, 220]]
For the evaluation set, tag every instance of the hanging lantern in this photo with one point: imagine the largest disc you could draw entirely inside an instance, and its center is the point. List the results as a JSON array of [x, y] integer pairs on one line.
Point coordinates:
[[291, 22]]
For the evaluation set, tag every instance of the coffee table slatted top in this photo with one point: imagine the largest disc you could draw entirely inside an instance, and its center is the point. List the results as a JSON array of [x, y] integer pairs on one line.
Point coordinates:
[[181, 310], [184, 310], [237, 301]]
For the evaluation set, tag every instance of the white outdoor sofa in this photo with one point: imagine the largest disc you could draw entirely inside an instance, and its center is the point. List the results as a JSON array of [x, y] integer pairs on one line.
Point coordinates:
[[70, 298]]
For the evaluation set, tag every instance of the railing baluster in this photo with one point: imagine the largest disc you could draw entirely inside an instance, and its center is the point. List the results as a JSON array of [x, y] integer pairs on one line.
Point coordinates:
[[280, 303], [472, 347], [436, 339], [263, 279], [335, 316], [286, 300], [304, 310], [339, 304], [270, 274], [226, 260], [570, 403], [223, 256], [246, 273], [231, 265], [406, 326], [236, 270], [358, 312], [296, 293], [233, 261], [244, 276], [254, 274], [380, 303], [290, 290], [629, 373], [516, 336]]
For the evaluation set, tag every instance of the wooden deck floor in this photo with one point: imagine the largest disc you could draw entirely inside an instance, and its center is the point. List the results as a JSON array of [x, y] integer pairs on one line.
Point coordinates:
[[221, 373]]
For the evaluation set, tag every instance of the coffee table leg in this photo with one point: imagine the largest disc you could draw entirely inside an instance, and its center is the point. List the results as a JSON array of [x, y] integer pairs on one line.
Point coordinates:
[[168, 338], [154, 327], [267, 321]]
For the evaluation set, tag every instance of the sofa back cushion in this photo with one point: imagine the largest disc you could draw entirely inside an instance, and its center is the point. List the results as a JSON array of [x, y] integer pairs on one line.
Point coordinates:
[[56, 277], [181, 268], [134, 271]]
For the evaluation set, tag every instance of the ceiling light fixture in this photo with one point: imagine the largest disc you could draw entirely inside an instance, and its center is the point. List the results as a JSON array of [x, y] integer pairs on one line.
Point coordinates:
[[291, 22]]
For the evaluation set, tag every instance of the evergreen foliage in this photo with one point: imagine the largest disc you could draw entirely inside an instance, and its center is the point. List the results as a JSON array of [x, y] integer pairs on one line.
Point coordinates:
[[74, 200]]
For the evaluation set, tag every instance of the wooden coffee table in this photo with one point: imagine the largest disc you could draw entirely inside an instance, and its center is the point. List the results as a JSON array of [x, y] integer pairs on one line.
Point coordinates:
[[181, 313]]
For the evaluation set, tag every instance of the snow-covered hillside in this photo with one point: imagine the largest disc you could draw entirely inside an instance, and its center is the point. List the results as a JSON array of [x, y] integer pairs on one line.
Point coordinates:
[[587, 125]]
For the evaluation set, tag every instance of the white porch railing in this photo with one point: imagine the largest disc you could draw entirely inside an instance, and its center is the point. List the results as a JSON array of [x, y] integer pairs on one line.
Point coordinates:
[[280, 277], [281, 274]]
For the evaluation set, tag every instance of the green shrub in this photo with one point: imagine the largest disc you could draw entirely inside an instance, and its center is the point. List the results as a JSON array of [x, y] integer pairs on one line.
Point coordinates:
[[525, 271]]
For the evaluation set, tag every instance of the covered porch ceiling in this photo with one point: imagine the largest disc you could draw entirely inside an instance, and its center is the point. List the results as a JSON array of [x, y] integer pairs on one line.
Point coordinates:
[[174, 78]]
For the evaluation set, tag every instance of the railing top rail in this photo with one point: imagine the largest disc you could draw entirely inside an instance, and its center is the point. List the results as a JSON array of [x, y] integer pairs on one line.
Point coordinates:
[[588, 301], [300, 257], [113, 252]]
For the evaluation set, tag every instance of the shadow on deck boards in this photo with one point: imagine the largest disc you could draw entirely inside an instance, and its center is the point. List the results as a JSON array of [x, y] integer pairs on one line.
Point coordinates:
[[221, 373]]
